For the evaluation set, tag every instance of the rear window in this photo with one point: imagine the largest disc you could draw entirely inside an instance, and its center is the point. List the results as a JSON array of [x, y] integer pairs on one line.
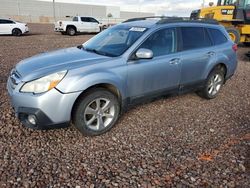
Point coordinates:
[[195, 37], [217, 36]]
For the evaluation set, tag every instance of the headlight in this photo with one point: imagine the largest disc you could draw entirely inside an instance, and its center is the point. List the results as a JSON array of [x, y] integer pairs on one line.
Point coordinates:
[[43, 84]]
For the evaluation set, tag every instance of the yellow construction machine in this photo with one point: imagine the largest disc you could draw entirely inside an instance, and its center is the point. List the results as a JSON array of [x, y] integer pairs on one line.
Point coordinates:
[[233, 14]]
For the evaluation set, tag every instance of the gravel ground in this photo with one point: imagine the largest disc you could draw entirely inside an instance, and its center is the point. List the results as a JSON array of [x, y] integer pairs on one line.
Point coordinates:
[[182, 141]]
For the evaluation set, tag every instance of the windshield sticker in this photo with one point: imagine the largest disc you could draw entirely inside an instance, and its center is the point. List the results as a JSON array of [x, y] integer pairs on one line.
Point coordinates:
[[138, 29]]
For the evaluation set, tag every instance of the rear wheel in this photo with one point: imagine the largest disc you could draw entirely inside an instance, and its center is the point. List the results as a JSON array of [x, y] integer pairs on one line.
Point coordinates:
[[16, 32], [97, 112], [214, 83], [234, 34], [71, 31]]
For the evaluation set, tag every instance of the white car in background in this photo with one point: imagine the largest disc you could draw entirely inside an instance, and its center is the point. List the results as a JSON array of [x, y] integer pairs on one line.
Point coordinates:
[[10, 27], [79, 24]]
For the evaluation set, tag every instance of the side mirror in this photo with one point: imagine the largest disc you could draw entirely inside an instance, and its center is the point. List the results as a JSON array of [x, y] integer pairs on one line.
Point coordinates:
[[144, 53]]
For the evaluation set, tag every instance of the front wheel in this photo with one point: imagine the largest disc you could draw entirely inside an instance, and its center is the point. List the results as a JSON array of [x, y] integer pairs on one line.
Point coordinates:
[[96, 113], [16, 32], [213, 84]]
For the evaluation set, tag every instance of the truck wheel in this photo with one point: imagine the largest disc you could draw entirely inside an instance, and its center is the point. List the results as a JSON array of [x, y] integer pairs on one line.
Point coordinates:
[[71, 31], [96, 112], [247, 44], [213, 83], [16, 32], [234, 34]]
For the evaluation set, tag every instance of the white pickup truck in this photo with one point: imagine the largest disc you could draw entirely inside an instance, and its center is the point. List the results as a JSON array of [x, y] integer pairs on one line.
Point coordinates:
[[79, 24]]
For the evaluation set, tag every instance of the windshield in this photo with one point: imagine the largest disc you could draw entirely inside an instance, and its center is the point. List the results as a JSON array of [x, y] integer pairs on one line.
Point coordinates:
[[247, 4], [115, 41], [231, 2]]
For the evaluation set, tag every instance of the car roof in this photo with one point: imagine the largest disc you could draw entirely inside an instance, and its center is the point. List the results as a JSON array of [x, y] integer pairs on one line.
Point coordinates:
[[150, 22], [141, 23]]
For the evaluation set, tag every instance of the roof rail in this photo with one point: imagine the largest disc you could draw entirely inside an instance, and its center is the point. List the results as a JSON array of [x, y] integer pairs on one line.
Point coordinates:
[[144, 18], [166, 19], [183, 19]]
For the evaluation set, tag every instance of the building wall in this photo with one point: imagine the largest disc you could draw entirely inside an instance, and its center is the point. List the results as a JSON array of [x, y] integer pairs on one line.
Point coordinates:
[[42, 12]]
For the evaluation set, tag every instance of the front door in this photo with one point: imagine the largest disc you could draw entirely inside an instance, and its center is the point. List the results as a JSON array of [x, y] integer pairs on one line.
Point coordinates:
[[86, 25], [160, 74]]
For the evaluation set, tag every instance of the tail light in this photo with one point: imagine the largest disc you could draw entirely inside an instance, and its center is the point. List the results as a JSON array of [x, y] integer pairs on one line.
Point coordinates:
[[235, 47]]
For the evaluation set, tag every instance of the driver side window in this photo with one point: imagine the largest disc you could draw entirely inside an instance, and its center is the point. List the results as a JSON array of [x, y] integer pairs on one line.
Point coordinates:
[[162, 42]]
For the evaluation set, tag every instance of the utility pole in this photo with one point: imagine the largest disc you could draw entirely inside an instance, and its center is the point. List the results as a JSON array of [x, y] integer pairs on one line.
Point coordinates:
[[203, 4], [54, 10], [18, 7]]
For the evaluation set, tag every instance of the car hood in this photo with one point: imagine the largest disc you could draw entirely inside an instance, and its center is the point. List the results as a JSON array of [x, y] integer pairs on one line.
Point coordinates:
[[50, 62]]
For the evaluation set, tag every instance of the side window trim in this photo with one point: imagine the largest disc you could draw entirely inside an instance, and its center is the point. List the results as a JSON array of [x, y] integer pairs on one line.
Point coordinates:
[[131, 56], [210, 36]]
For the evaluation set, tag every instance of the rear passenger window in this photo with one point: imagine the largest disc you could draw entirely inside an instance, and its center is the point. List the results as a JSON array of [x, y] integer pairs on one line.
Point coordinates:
[[195, 37], [75, 19], [217, 36]]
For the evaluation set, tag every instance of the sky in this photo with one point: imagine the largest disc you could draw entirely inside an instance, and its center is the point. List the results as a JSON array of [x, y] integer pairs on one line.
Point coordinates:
[[159, 7]]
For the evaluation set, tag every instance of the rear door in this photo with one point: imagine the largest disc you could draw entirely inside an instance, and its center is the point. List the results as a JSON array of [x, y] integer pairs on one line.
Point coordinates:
[[6, 26], [197, 53]]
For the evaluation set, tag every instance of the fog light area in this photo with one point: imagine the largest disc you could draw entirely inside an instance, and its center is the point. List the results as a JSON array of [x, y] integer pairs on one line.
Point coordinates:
[[32, 119]]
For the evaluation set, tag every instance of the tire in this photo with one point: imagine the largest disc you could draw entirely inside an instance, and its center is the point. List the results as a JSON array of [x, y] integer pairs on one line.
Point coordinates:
[[16, 32], [63, 33], [214, 83], [247, 44], [71, 31], [234, 34], [91, 117]]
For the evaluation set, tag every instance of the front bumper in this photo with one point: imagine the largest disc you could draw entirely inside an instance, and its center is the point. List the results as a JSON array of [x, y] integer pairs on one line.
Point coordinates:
[[42, 121], [51, 109]]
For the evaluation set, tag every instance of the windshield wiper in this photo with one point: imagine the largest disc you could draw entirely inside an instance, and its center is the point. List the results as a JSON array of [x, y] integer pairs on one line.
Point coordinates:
[[80, 47], [99, 52]]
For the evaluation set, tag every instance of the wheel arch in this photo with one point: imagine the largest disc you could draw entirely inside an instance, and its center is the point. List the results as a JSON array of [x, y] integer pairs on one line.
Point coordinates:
[[73, 26], [218, 65], [17, 29], [107, 86]]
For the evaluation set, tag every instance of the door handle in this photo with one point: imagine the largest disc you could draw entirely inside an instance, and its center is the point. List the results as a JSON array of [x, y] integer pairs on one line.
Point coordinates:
[[175, 61], [210, 54]]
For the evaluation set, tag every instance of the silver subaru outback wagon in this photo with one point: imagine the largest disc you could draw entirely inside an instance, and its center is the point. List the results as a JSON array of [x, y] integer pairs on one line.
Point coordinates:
[[91, 84]]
